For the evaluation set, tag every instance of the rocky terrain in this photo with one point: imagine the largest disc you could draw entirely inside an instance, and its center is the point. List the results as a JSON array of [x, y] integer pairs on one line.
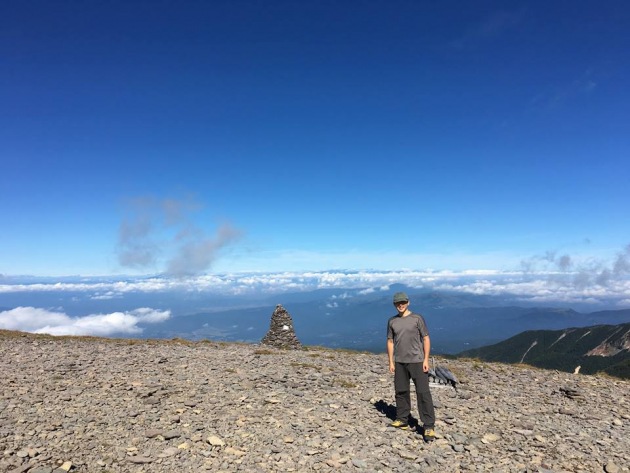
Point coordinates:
[[112, 405]]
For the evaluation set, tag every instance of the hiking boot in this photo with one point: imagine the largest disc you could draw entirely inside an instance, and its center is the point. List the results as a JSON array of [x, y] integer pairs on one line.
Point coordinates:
[[428, 434], [399, 424]]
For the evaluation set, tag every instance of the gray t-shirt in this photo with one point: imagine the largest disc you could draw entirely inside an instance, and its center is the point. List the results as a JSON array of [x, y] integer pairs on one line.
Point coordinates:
[[408, 334]]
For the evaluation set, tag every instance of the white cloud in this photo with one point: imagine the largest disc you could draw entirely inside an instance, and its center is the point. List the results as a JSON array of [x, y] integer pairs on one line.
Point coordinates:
[[37, 320], [30, 319], [150, 316], [369, 290], [106, 296], [550, 277]]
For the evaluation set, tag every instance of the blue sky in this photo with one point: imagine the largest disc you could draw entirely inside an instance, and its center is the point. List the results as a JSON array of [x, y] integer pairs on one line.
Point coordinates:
[[211, 136]]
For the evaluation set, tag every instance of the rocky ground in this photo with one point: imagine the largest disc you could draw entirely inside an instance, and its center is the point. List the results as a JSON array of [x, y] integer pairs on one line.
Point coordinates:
[[97, 405]]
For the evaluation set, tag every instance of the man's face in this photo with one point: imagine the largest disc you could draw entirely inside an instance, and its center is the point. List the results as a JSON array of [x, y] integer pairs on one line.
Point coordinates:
[[401, 306]]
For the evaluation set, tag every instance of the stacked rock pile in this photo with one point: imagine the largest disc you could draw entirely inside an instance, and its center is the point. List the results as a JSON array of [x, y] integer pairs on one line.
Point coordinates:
[[281, 333], [102, 405]]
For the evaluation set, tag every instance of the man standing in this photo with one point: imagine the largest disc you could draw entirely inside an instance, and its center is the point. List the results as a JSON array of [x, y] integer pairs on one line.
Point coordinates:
[[408, 347]]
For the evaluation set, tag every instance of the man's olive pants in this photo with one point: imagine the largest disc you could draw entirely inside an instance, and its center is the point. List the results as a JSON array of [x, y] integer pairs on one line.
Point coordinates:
[[404, 372]]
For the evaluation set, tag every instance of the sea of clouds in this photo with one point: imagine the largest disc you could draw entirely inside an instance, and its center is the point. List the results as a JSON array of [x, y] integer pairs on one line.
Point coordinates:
[[545, 286], [544, 280], [155, 227]]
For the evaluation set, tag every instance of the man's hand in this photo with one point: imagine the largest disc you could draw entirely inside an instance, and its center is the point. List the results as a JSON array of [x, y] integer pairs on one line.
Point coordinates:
[[426, 345], [392, 367]]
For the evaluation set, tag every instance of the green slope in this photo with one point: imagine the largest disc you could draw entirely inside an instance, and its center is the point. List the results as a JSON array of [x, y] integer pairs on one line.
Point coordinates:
[[564, 350]]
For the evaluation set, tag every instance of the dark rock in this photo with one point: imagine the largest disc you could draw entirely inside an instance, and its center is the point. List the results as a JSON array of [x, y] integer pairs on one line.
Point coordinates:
[[571, 393]]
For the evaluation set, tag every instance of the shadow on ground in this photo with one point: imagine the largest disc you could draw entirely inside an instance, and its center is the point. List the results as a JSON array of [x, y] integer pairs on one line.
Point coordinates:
[[389, 410]]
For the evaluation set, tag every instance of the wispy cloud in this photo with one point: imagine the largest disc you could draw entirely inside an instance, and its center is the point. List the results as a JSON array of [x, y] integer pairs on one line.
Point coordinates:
[[156, 231], [590, 273], [36, 320], [565, 92], [197, 252], [492, 27]]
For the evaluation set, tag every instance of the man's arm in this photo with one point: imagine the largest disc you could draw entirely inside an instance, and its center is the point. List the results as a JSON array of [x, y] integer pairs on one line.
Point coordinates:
[[426, 345], [390, 354]]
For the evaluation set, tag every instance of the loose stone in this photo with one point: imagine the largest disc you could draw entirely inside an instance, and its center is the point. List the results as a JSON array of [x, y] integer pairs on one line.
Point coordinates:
[[210, 410]]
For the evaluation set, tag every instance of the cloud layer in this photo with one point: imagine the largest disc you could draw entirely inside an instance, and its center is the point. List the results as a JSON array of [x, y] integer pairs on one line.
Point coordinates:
[[551, 278], [528, 286], [36, 320], [547, 278]]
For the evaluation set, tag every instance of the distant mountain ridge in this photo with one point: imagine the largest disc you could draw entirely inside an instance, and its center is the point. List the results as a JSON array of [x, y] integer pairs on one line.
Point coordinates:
[[338, 317], [456, 321], [599, 348]]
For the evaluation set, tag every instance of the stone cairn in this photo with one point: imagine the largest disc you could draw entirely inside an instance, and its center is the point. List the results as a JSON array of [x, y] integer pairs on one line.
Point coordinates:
[[281, 333]]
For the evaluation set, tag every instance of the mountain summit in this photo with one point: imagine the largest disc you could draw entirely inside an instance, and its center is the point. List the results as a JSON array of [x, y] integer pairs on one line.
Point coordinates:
[[103, 405]]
